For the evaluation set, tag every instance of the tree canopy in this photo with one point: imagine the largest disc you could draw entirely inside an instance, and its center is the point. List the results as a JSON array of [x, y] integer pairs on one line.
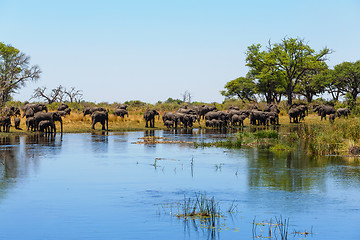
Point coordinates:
[[15, 71], [287, 62], [242, 87]]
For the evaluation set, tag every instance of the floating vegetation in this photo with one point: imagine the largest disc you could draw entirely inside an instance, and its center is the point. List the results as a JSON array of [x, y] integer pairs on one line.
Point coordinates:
[[159, 140], [275, 229]]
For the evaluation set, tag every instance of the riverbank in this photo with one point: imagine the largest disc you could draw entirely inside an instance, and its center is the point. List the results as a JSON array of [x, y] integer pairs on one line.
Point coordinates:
[[316, 136]]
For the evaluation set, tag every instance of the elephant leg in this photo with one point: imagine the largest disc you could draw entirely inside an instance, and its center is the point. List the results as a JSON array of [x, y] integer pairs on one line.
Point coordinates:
[[103, 125]]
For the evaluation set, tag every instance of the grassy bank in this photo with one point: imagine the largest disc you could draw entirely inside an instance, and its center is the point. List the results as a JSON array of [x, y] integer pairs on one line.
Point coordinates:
[[317, 137]]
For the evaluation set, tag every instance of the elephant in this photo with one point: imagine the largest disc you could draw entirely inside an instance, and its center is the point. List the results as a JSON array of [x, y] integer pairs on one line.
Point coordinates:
[[90, 110], [187, 111], [62, 113], [10, 111], [46, 126], [324, 110], [17, 123], [294, 114], [343, 112], [30, 123], [272, 117], [222, 118], [258, 117], [122, 106], [62, 107], [238, 119], [29, 113], [203, 109], [167, 116], [271, 108], [149, 116], [121, 112], [101, 117], [169, 123], [216, 115], [5, 122], [36, 107], [238, 112], [68, 111], [188, 119], [176, 117], [51, 116], [332, 118]]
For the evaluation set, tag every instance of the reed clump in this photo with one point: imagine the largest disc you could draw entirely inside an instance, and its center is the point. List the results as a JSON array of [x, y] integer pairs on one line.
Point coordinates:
[[339, 138], [200, 207]]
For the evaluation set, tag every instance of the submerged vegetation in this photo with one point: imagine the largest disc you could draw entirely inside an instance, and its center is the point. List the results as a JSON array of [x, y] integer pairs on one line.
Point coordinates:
[[205, 212]]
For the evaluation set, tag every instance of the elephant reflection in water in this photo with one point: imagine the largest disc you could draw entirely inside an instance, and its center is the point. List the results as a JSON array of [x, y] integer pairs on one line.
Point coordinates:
[[8, 157], [99, 142]]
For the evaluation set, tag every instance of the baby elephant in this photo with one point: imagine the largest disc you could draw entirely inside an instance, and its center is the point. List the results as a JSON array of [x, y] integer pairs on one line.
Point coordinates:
[[17, 123], [30, 123], [169, 123], [332, 118], [46, 126]]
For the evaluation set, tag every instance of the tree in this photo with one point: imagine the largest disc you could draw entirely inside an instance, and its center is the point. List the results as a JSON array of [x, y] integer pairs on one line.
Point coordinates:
[[242, 87], [291, 59], [186, 96], [331, 84], [310, 85], [56, 94], [348, 73], [15, 71], [73, 94]]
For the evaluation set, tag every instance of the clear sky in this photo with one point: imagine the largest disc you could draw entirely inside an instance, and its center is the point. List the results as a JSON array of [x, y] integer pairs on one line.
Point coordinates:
[[152, 50]]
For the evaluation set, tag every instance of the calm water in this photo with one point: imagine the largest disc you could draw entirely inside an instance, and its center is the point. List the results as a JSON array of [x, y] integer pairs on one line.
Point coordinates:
[[85, 186]]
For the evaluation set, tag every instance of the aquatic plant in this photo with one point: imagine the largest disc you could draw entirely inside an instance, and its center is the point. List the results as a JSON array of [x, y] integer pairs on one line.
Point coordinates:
[[201, 208], [278, 229]]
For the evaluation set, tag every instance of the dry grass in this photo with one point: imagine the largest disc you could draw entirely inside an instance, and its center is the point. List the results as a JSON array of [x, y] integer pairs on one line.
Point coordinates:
[[77, 123]]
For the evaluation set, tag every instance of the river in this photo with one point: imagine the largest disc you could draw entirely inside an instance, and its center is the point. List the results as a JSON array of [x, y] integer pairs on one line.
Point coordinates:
[[94, 186]]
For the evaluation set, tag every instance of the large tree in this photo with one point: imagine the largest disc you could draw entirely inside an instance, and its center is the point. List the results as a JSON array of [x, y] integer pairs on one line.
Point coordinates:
[[55, 95], [310, 85], [242, 87], [291, 59], [348, 74], [15, 71]]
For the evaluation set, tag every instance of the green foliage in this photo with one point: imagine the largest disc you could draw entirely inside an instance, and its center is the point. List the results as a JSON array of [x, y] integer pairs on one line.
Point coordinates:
[[14, 71], [286, 63], [243, 88], [176, 101], [266, 134]]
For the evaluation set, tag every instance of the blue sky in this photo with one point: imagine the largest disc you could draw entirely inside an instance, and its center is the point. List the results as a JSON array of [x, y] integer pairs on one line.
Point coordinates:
[[152, 50]]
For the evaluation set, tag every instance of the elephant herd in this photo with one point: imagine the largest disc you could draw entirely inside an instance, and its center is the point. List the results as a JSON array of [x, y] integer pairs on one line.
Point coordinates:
[[324, 110], [185, 117], [39, 119]]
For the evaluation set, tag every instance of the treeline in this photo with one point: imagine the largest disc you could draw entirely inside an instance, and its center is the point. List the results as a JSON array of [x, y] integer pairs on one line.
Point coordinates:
[[292, 69], [287, 70]]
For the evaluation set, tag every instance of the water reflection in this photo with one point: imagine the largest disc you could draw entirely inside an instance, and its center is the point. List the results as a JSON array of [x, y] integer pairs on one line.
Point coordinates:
[[19, 153], [209, 232], [99, 142], [287, 171]]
